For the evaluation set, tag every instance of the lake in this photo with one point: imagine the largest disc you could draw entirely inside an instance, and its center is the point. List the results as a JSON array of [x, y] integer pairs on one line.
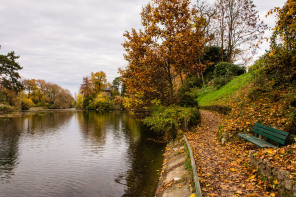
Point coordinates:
[[76, 153]]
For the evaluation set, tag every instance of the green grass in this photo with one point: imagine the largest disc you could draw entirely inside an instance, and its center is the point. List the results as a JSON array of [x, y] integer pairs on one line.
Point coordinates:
[[187, 160], [210, 96]]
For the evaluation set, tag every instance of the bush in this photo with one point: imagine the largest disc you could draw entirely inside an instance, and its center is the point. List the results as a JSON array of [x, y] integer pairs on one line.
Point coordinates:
[[86, 101], [168, 120], [188, 100], [221, 81], [228, 69], [225, 72], [257, 66], [280, 67], [101, 102], [27, 104]]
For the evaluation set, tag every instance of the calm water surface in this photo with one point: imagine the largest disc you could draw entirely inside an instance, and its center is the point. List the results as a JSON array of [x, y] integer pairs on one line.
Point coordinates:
[[77, 154]]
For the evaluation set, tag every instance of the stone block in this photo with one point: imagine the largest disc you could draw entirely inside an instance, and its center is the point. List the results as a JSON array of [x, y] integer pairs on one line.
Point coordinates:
[[282, 174], [275, 172], [288, 184]]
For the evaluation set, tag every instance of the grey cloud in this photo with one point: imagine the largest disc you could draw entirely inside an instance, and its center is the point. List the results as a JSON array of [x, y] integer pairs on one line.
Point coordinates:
[[61, 41]]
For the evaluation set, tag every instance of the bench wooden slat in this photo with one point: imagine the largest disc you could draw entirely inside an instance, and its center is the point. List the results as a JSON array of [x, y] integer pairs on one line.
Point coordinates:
[[283, 133], [257, 141], [270, 133], [269, 130], [267, 135]]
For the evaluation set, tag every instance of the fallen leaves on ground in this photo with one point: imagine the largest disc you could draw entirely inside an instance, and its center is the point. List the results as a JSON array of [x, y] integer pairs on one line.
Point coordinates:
[[223, 170], [273, 107], [283, 157]]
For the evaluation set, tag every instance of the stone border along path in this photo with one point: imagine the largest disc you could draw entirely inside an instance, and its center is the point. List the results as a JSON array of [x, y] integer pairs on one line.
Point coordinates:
[[223, 170], [175, 179], [196, 181]]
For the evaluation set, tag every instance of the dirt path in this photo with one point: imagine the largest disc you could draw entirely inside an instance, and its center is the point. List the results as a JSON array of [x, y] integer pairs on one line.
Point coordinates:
[[223, 170]]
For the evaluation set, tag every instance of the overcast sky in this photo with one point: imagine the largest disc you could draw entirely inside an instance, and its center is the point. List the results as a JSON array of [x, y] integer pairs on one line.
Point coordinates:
[[62, 41]]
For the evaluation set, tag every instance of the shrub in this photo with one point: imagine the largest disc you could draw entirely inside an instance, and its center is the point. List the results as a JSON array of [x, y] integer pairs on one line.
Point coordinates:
[[228, 69], [79, 101], [168, 120], [86, 101], [27, 104], [101, 102], [280, 67], [221, 81], [257, 66], [225, 72], [188, 100]]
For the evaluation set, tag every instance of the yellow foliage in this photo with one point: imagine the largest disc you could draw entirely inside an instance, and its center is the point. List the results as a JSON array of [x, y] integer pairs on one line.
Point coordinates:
[[27, 102], [79, 101]]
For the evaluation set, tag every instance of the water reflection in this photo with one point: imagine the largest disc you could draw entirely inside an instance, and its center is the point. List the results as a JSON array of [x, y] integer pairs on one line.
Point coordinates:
[[145, 158], [77, 154], [11, 129], [9, 135]]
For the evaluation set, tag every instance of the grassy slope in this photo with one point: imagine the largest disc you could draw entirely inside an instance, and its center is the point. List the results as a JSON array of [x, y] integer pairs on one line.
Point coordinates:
[[210, 97]]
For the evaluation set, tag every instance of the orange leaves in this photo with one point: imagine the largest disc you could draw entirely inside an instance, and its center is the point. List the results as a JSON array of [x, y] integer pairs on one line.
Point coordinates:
[[283, 157], [163, 52], [223, 171]]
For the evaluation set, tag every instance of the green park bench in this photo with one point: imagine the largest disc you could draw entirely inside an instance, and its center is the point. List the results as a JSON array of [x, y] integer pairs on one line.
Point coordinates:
[[270, 133]]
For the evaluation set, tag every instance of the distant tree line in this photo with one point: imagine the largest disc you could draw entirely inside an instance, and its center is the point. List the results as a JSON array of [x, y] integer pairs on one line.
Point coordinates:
[[42, 93], [18, 94]]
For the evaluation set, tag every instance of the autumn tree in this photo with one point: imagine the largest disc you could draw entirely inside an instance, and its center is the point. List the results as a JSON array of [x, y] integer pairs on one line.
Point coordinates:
[[161, 54], [86, 87], [238, 25], [91, 94], [93, 84], [286, 25], [208, 13], [280, 62], [30, 85], [63, 99], [98, 81]]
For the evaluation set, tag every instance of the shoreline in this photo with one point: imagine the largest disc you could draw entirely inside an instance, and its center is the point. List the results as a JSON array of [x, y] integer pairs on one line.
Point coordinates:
[[22, 112]]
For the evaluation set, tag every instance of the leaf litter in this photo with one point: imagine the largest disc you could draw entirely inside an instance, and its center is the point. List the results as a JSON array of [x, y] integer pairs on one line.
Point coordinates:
[[223, 170]]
